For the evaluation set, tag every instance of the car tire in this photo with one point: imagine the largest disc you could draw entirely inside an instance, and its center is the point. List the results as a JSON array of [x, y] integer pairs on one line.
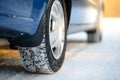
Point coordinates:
[[48, 57], [94, 36]]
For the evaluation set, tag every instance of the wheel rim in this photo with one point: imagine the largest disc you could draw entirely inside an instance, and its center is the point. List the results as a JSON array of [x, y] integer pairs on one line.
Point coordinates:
[[57, 29]]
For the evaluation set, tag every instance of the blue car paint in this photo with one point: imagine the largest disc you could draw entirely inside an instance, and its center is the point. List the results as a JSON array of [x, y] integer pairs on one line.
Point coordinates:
[[20, 17]]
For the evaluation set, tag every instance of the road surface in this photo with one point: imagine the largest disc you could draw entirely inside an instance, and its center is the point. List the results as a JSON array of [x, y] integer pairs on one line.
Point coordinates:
[[84, 61]]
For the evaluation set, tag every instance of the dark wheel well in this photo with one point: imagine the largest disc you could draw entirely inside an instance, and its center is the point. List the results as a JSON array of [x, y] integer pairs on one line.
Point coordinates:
[[68, 4]]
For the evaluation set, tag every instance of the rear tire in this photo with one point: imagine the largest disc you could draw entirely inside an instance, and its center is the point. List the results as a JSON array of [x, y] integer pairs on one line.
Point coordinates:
[[47, 58], [94, 36]]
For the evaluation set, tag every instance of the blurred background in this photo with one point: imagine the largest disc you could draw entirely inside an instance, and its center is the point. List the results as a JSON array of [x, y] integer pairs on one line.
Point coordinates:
[[112, 8]]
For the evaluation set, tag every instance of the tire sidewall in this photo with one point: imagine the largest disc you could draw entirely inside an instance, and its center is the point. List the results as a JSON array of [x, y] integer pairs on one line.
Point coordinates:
[[55, 64]]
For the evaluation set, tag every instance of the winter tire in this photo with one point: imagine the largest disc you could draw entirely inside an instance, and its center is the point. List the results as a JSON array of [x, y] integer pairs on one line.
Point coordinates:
[[48, 57]]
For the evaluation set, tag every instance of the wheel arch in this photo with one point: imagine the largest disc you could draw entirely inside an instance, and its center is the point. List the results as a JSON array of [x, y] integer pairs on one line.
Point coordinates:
[[35, 40], [68, 4]]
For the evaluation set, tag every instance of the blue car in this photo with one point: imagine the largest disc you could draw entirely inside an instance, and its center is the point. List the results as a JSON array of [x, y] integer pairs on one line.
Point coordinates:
[[38, 28]]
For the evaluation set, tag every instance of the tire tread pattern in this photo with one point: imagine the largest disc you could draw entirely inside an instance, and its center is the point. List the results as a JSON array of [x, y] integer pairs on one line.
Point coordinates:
[[35, 59]]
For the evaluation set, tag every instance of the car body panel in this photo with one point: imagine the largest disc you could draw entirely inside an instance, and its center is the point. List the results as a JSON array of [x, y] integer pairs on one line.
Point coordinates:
[[21, 16], [20, 19], [84, 15]]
